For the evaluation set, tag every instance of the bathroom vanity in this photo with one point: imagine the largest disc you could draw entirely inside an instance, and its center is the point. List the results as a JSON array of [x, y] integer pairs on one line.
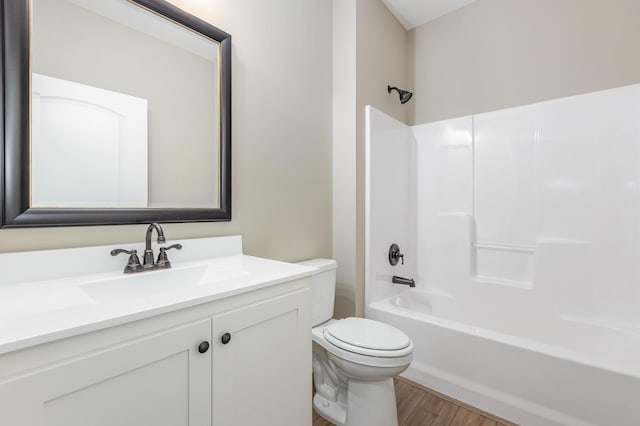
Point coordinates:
[[220, 339]]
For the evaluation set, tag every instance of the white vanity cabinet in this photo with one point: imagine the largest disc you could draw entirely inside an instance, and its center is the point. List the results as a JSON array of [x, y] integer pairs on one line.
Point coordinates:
[[155, 372], [160, 379], [261, 364]]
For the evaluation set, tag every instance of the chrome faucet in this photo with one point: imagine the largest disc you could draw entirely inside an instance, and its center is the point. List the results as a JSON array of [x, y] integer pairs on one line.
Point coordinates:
[[148, 252], [133, 264]]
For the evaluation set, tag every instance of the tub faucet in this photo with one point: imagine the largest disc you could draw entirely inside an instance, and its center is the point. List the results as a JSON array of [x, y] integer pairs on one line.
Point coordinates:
[[402, 280], [148, 262]]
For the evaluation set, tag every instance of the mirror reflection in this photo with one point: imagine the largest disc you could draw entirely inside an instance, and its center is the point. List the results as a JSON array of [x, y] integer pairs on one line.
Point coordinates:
[[125, 109]]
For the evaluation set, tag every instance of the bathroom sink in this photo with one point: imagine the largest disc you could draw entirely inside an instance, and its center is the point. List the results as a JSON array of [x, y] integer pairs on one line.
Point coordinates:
[[152, 283], [144, 284]]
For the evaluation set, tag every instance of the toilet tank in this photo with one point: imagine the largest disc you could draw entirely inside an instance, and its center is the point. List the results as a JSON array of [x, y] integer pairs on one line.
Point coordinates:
[[323, 289]]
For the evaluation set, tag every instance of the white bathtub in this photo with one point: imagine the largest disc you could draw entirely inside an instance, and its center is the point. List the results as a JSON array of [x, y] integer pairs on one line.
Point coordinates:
[[559, 371]]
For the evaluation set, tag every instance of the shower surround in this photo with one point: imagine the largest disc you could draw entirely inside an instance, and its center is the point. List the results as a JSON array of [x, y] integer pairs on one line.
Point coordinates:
[[521, 228]]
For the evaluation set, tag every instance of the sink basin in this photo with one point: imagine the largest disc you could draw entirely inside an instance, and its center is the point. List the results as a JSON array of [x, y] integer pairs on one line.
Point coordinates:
[[144, 284], [152, 283]]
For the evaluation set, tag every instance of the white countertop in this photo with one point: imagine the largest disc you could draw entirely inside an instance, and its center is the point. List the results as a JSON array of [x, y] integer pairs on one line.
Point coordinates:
[[43, 310]]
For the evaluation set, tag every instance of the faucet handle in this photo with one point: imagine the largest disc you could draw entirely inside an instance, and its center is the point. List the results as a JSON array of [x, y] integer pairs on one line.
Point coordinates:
[[394, 255], [163, 260], [133, 264]]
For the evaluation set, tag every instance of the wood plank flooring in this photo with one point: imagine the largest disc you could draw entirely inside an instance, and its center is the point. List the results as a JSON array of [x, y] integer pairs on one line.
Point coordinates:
[[419, 407]]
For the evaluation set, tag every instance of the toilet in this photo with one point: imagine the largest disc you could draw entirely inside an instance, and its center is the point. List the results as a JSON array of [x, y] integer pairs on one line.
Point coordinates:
[[354, 359]]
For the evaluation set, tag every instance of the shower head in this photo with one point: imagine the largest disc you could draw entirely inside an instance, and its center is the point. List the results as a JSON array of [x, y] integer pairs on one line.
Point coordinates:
[[405, 95]]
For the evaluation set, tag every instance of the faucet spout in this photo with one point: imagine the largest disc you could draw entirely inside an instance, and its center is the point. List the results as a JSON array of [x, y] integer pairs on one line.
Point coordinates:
[[402, 280], [148, 252], [133, 264]]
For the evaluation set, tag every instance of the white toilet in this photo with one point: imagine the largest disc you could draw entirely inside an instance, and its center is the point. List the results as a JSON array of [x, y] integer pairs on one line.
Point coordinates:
[[354, 359]]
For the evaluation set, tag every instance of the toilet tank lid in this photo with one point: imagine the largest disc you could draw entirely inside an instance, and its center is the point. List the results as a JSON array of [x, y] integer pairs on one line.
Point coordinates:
[[321, 264]]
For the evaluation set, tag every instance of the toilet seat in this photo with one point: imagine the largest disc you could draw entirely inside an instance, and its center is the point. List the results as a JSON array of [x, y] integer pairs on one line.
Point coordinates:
[[367, 337]]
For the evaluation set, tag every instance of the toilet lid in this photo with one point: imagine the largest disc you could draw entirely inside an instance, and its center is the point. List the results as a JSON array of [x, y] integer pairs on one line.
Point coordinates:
[[358, 334]]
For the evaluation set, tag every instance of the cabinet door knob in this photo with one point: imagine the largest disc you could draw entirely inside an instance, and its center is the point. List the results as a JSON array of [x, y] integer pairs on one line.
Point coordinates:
[[203, 347], [226, 338]]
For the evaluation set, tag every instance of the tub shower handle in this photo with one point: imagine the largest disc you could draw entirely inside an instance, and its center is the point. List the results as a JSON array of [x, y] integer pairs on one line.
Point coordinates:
[[394, 255], [402, 280]]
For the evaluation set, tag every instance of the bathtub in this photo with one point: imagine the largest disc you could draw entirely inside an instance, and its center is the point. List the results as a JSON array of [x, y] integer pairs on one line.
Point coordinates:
[[531, 371]]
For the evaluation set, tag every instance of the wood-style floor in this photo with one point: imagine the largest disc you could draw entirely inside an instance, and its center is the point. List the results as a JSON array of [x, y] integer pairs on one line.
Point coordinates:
[[419, 407]]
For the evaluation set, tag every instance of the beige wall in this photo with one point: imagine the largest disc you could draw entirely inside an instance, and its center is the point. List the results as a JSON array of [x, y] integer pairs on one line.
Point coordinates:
[[344, 154], [381, 60], [370, 54], [496, 54], [281, 136]]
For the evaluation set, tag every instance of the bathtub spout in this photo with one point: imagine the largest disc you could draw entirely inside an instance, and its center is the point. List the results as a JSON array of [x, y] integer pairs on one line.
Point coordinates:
[[401, 280]]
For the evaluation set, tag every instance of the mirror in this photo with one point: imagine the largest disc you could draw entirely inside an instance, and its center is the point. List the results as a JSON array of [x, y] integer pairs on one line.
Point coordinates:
[[116, 111]]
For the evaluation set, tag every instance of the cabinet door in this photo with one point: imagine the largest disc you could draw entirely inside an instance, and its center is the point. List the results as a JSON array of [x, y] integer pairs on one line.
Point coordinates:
[[262, 375], [161, 379]]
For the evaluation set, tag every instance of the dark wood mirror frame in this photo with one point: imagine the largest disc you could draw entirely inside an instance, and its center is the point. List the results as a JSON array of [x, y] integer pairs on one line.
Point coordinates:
[[15, 211]]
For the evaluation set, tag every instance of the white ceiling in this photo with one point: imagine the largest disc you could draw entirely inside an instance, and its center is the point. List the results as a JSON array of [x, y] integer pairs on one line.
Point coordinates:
[[413, 13]]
